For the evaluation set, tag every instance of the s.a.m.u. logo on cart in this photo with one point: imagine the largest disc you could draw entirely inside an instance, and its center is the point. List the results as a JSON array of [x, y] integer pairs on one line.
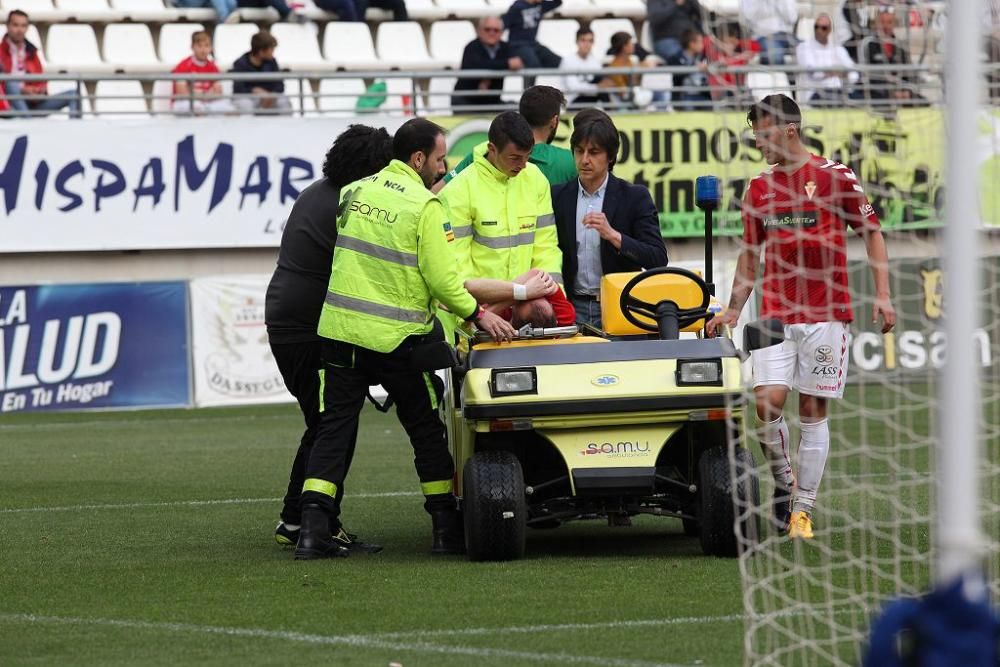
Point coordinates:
[[605, 380], [622, 448]]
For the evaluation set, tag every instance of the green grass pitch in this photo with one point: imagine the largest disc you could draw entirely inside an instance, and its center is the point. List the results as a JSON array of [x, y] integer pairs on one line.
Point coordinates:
[[146, 538]]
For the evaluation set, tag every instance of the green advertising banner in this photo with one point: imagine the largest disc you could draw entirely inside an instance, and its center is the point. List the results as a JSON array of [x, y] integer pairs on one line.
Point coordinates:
[[917, 345], [899, 156]]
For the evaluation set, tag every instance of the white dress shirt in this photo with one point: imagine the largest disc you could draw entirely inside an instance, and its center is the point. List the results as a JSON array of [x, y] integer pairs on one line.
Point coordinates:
[[588, 241]]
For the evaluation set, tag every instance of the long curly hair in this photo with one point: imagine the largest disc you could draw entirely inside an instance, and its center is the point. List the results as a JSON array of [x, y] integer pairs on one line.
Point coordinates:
[[359, 151]]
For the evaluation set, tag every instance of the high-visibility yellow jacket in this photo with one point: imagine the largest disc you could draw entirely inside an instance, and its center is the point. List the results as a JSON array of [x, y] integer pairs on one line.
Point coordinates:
[[391, 261], [503, 226]]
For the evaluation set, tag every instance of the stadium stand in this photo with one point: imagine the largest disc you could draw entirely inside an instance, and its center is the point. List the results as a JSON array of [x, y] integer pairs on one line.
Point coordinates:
[[448, 39], [298, 47], [175, 42], [232, 41], [337, 97], [559, 35], [120, 99], [70, 47], [401, 45]]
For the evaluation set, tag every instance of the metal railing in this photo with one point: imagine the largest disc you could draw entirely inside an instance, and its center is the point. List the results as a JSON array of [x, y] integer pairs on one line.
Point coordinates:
[[421, 92]]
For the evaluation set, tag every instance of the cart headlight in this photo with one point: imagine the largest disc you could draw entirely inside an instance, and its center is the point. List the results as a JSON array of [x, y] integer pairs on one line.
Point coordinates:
[[699, 372], [513, 381]]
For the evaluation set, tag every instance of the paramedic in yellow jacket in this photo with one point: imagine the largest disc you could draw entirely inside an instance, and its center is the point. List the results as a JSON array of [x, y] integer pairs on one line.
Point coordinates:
[[500, 210]]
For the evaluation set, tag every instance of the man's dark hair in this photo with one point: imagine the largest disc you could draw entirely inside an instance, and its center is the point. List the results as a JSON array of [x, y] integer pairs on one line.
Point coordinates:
[[583, 31], [600, 133], [17, 12], [618, 42], [262, 41], [540, 103], [417, 135], [590, 114], [359, 151], [510, 127], [540, 315], [730, 29], [781, 109]]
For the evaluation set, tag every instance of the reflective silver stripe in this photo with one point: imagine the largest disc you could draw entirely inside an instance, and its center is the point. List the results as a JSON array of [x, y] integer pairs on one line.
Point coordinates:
[[377, 251], [504, 242], [462, 232], [545, 220], [371, 308], [557, 277]]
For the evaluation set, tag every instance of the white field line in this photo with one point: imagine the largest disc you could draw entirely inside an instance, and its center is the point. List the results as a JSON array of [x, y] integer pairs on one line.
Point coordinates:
[[183, 503], [356, 641]]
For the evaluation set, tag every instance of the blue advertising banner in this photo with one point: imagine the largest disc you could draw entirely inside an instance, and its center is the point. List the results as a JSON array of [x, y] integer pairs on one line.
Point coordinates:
[[112, 345]]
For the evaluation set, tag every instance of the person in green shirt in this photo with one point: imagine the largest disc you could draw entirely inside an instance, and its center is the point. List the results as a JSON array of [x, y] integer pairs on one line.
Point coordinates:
[[541, 106]]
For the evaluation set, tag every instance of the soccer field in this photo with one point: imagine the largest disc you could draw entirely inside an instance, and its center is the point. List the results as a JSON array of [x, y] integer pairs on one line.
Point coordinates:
[[146, 538]]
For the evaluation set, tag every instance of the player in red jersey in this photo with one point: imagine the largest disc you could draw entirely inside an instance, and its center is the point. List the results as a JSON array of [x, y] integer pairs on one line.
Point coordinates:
[[799, 210]]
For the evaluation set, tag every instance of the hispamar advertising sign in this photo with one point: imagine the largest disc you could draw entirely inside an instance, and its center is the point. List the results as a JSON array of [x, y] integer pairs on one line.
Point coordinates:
[[71, 347]]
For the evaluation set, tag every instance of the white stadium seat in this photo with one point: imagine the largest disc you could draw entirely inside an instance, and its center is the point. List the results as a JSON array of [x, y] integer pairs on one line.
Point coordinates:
[[559, 35], [129, 47], [56, 87], [724, 7], [513, 86], [120, 99], [72, 47], [621, 8], [151, 11], [298, 46], [762, 84], [88, 10], [175, 41], [304, 104], [231, 41], [337, 97], [349, 46], [605, 28], [583, 9], [400, 98], [439, 95], [401, 44], [423, 10], [448, 40], [159, 102], [464, 9]]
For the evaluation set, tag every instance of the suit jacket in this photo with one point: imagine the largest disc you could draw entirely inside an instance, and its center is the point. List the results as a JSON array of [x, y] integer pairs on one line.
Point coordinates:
[[630, 210]]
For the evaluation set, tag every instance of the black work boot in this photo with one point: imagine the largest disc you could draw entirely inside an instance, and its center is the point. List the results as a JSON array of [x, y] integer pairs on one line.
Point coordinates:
[[448, 531], [315, 540]]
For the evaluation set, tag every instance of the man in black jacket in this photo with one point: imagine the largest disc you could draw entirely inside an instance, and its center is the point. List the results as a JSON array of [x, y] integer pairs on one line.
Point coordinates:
[[487, 51], [668, 21], [262, 97], [295, 298], [605, 224], [885, 49]]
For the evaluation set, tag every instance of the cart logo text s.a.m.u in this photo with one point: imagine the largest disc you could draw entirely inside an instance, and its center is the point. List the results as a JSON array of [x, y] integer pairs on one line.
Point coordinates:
[[620, 448]]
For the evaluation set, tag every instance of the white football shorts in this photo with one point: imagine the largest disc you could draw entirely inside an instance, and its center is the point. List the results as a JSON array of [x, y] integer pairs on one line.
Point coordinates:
[[812, 359]]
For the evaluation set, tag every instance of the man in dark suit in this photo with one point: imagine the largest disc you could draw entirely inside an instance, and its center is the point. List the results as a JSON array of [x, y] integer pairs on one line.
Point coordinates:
[[605, 224], [885, 49]]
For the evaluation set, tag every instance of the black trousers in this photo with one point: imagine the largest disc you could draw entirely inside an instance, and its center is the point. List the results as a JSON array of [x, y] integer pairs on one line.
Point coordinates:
[[299, 364], [349, 370]]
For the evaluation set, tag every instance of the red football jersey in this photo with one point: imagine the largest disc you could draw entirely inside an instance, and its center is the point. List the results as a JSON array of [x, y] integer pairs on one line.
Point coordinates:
[[801, 217], [191, 66]]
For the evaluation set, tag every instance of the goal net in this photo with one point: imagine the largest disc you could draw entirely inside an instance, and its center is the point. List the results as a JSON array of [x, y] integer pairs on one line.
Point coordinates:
[[811, 602]]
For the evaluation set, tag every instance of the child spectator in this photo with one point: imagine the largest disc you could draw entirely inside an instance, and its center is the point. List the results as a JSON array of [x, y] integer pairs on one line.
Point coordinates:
[[691, 89], [262, 97], [729, 50], [522, 20], [199, 97]]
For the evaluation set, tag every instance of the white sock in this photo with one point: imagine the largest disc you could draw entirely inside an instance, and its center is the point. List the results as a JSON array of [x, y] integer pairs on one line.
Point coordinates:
[[774, 441], [813, 450]]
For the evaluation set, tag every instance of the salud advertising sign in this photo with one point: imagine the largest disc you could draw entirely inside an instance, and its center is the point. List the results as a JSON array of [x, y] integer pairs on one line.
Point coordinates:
[[71, 347]]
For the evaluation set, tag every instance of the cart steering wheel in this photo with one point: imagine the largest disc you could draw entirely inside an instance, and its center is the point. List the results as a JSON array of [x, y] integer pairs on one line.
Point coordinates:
[[632, 306]]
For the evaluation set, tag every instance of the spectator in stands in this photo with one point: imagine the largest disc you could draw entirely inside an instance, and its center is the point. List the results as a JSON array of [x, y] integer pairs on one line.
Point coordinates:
[[199, 97], [224, 8], [487, 51], [884, 49], [730, 49], [19, 56], [619, 86], [668, 21], [691, 89], [522, 20], [262, 97], [286, 12], [991, 20], [819, 54], [354, 10], [583, 88], [772, 25]]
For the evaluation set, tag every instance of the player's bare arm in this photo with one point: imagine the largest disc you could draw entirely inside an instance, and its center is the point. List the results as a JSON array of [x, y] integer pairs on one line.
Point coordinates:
[[878, 260], [743, 282]]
